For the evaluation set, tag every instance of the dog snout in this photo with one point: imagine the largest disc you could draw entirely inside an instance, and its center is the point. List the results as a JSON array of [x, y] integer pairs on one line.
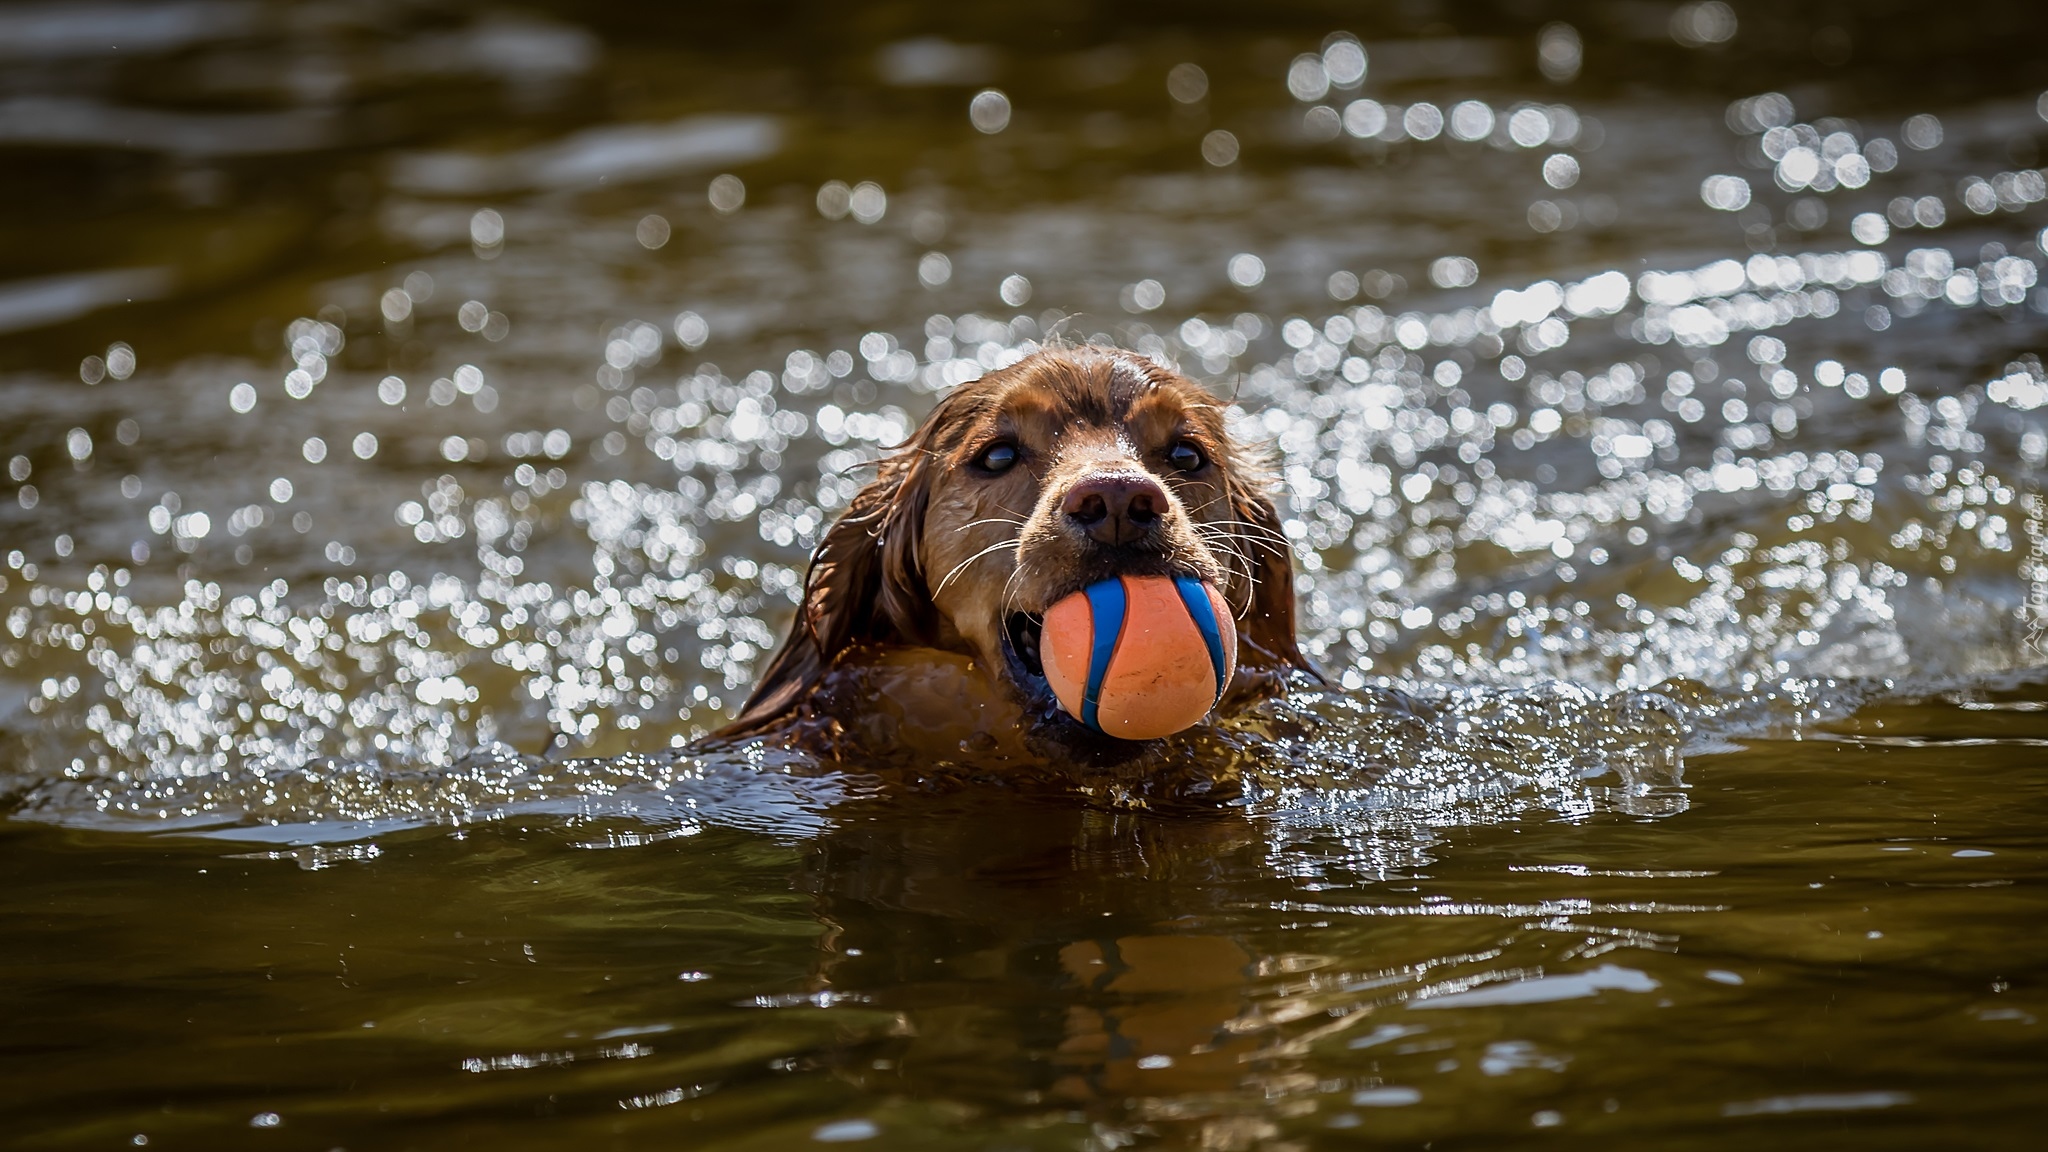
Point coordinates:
[[1117, 508]]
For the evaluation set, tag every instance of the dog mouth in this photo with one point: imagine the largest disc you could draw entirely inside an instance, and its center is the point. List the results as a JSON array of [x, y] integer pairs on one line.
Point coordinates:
[[1024, 633]]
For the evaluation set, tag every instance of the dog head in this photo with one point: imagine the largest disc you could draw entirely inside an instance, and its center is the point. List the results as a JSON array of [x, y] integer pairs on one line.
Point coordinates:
[[1068, 467]]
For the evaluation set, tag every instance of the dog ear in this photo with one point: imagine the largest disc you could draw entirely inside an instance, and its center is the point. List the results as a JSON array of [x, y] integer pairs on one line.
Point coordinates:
[[1266, 630], [865, 585], [903, 600]]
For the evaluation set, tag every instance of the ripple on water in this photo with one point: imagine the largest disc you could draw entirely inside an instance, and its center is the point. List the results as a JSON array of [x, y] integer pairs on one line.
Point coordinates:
[[1552, 533]]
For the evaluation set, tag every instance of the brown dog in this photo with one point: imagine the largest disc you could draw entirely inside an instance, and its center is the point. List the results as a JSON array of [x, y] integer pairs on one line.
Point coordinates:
[[1070, 466]]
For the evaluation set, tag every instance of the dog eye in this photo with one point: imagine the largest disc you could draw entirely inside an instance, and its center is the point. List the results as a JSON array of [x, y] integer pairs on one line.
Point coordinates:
[[1186, 457], [997, 457]]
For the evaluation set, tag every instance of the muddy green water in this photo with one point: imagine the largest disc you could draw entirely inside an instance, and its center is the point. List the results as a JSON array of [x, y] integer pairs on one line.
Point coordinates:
[[415, 419]]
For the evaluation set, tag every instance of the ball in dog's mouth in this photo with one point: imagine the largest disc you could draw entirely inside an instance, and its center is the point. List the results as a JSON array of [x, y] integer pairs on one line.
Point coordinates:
[[1135, 657]]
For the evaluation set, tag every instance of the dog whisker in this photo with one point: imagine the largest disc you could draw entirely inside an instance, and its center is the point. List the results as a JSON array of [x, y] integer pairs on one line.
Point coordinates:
[[1275, 542], [1231, 541], [1216, 537], [1238, 563], [1250, 524], [962, 566], [1011, 588], [1232, 554]]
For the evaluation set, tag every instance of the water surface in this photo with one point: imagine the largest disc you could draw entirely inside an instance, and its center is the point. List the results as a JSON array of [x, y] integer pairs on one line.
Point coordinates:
[[418, 417]]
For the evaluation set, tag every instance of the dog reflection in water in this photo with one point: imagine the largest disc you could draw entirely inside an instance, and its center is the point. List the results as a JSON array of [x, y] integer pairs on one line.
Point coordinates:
[[1113, 994], [1171, 1017]]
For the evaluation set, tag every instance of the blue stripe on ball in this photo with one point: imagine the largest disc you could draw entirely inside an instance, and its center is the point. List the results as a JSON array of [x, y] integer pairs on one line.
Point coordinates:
[[1196, 598], [1106, 614]]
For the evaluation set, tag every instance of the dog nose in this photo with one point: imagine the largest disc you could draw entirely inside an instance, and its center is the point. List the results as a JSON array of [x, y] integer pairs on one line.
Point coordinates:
[[1117, 508]]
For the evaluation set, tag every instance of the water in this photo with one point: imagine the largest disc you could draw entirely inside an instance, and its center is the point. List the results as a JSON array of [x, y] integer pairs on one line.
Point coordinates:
[[418, 419]]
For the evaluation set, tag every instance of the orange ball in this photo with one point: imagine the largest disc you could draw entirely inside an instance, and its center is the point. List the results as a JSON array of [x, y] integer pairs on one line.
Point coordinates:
[[1140, 657]]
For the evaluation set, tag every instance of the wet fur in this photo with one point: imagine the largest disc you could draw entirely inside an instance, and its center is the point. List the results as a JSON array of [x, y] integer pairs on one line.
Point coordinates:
[[933, 555]]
